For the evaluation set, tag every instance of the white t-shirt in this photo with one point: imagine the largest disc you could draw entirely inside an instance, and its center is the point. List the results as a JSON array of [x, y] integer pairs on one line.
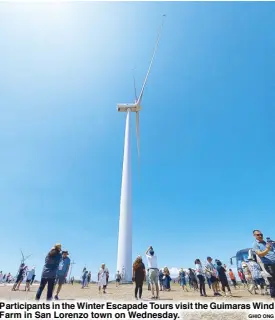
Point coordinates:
[[30, 274], [152, 261], [199, 270]]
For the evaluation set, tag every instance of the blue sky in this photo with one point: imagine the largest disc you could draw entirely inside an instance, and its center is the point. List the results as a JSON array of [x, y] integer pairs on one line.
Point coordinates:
[[207, 129]]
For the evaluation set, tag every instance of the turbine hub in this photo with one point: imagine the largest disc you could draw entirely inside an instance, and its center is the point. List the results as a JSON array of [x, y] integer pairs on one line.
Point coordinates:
[[132, 108]]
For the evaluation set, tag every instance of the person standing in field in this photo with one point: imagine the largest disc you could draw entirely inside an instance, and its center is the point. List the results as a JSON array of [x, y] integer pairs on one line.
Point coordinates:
[[223, 278], [138, 276], [29, 278], [84, 277], [62, 272], [193, 283], [89, 278], [200, 275], [242, 277], [232, 278], [258, 280], [33, 277], [166, 279], [118, 278], [213, 275], [208, 276], [153, 271], [49, 272], [160, 280], [102, 278], [21, 274], [8, 278]]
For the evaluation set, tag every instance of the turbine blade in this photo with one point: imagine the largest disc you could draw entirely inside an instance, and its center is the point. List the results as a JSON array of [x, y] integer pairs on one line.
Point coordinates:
[[135, 87], [22, 255], [152, 60], [138, 139], [28, 257]]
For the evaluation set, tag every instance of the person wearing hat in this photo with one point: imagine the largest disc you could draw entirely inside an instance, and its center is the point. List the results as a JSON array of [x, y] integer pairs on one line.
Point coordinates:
[[49, 272], [62, 272]]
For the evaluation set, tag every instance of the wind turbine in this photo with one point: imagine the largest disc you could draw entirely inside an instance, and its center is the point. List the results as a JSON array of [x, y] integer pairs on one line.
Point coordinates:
[[71, 269], [24, 258], [124, 255]]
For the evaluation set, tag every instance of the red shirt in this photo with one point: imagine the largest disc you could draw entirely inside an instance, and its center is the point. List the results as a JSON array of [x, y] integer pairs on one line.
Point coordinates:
[[241, 276]]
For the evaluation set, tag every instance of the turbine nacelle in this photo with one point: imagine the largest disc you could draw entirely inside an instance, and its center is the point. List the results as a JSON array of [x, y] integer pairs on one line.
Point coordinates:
[[134, 107]]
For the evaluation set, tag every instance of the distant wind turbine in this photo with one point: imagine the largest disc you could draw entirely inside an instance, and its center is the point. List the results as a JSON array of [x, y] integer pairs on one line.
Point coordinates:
[[24, 258], [124, 257], [71, 269]]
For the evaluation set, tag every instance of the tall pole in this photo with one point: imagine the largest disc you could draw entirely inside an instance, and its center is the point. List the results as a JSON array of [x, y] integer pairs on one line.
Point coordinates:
[[72, 263], [124, 255]]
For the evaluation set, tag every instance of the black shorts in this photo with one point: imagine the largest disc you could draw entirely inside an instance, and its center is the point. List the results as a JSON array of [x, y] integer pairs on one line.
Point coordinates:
[[28, 281], [224, 282], [260, 282], [213, 279]]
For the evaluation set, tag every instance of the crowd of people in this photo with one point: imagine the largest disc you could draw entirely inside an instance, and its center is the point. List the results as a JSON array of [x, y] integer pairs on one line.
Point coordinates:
[[6, 278], [23, 273], [159, 279], [86, 278], [256, 273]]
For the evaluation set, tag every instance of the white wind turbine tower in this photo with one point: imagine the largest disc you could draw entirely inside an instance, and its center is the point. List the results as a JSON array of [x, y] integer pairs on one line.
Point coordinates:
[[124, 255], [24, 258]]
